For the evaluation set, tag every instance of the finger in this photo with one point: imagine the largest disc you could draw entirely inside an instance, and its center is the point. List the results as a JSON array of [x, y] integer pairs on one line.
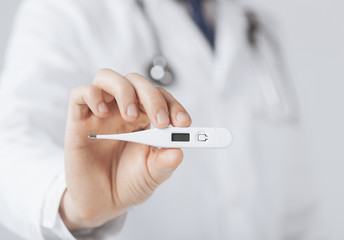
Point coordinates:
[[85, 98], [178, 115], [108, 97], [162, 164], [122, 90], [152, 100]]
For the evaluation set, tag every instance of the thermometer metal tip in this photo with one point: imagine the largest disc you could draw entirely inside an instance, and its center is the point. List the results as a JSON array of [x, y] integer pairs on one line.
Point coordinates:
[[174, 137]]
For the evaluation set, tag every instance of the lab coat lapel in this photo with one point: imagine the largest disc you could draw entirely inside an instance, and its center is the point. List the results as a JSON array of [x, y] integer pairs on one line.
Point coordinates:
[[229, 39], [234, 167], [182, 42]]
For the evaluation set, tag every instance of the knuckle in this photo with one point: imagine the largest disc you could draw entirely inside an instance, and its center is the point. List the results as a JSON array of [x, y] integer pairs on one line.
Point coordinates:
[[132, 75], [101, 72], [90, 91], [123, 88], [75, 92]]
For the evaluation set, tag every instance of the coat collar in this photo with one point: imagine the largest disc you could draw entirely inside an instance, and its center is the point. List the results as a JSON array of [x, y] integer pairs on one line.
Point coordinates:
[[181, 39]]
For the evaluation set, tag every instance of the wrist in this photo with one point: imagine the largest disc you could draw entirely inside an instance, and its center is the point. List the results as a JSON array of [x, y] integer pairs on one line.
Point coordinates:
[[74, 219]]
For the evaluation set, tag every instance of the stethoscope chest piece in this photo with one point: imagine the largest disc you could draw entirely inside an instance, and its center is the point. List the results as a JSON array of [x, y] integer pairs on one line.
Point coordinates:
[[159, 72]]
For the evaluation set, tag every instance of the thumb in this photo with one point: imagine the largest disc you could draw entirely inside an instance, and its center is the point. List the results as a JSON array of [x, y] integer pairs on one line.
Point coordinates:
[[162, 164]]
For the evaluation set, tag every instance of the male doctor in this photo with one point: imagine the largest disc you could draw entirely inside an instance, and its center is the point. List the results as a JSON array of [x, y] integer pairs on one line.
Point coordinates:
[[78, 67]]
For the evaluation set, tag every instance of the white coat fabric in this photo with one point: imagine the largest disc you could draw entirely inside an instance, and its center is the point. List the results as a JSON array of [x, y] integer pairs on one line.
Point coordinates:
[[259, 188]]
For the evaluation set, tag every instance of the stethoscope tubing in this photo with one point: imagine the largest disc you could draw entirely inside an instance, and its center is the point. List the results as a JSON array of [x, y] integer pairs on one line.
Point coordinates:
[[270, 68]]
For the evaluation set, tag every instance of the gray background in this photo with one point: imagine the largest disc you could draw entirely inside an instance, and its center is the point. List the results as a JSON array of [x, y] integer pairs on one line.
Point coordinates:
[[313, 35]]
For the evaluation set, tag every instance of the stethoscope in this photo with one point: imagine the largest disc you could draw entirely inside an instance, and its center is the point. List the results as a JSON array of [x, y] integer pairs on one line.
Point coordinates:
[[158, 70], [270, 69]]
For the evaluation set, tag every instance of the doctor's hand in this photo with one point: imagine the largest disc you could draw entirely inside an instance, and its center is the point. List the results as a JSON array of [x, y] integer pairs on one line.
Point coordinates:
[[105, 177]]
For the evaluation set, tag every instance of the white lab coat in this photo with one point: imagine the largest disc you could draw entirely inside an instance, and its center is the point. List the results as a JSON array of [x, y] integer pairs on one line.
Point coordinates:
[[259, 188]]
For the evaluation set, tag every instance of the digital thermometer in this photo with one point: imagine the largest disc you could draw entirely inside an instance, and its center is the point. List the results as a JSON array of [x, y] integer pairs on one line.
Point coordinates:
[[175, 137]]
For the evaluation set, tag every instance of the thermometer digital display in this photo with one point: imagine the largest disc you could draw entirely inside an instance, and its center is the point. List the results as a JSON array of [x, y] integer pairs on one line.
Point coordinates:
[[174, 137], [180, 137]]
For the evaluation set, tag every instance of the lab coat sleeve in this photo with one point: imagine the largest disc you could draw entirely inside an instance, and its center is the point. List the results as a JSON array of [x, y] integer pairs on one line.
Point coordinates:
[[43, 62]]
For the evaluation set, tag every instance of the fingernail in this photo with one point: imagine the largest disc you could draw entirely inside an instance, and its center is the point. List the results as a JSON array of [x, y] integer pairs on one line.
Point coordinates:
[[132, 110], [182, 117], [102, 107], [162, 117]]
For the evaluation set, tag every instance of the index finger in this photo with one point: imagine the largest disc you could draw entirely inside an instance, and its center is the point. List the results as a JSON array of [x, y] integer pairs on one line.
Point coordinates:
[[122, 90], [152, 100]]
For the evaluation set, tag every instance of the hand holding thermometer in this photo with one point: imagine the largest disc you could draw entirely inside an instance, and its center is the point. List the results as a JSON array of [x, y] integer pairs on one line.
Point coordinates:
[[175, 137]]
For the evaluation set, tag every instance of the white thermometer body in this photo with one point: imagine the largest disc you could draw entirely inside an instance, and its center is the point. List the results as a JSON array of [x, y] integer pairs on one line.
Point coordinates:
[[174, 137]]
